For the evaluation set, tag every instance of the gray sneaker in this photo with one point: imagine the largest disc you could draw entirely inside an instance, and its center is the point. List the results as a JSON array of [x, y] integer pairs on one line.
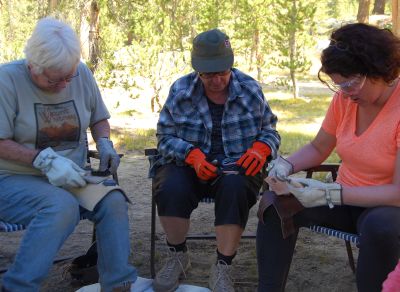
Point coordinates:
[[167, 279], [220, 278]]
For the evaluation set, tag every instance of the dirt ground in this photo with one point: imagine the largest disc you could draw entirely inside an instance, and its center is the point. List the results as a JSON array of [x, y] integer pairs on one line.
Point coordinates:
[[319, 263]]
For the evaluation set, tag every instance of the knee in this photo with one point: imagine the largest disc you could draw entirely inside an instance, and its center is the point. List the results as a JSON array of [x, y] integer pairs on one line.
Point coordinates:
[[171, 190], [113, 203], [379, 229], [270, 217], [170, 194], [174, 185]]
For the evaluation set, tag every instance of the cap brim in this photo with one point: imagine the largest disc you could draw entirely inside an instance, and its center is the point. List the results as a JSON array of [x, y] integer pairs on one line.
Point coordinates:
[[212, 65]]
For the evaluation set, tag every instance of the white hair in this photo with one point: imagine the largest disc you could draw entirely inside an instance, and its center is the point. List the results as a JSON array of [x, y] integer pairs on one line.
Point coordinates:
[[52, 45]]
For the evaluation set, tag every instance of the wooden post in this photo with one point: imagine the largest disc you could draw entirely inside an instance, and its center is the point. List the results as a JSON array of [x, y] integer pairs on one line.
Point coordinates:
[[395, 17]]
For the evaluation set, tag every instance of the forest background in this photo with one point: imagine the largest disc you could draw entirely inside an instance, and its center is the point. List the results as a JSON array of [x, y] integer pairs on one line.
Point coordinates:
[[137, 48]]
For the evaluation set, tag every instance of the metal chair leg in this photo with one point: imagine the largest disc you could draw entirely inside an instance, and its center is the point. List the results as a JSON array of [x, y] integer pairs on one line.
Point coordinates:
[[94, 234], [153, 237], [350, 256]]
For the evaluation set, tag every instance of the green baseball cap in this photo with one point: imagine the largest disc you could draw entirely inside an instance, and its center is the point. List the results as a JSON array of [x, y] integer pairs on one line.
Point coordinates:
[[212, 52]]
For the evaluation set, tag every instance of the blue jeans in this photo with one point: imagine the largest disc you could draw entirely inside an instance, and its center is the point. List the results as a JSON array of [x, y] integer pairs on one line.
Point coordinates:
[[51, 214]]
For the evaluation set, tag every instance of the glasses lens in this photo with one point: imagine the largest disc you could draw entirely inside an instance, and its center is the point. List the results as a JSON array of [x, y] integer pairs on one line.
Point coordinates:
[[328, 82], [207, 75], [70, 78], [67, 79], [351, 86], [354, 85]]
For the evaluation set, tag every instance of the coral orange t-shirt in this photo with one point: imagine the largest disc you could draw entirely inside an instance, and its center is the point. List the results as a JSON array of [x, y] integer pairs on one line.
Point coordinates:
[[368, 159]]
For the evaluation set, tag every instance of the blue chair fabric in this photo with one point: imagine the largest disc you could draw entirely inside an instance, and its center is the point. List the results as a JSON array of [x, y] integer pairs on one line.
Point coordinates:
[[347, 237]]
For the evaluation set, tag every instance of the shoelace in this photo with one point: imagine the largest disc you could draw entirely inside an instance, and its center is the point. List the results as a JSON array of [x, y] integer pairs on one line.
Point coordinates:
[[171, 263], [223, 276]]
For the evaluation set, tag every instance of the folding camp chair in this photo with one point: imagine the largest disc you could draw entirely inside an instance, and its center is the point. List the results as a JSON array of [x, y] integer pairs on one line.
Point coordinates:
[[150, 154], [347, 237]]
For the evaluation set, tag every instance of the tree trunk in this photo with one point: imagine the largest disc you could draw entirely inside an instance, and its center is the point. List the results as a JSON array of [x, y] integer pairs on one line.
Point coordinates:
[[258, 54], [94, 35], [379, 7], [292, 50], [259, 74], [52, 5], [363, 11], [129, 38], [152, 104], [295, 88], [395, 17], [155, 100]]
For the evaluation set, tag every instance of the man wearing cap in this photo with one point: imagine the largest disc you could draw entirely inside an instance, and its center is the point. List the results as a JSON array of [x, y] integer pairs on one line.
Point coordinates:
[[215, 117]]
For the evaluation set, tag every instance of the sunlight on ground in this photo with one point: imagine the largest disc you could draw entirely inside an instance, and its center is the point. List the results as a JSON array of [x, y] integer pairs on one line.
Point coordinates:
[[304, 128], [281, 95]]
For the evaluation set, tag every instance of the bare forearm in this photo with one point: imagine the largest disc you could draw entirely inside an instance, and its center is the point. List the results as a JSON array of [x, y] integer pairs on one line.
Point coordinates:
[[100, 129], [371, 196], [313, 153], [11, 150], [306, 157]]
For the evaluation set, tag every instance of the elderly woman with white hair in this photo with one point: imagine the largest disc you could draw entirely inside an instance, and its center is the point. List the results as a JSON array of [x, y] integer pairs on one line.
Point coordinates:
[[47, 102]]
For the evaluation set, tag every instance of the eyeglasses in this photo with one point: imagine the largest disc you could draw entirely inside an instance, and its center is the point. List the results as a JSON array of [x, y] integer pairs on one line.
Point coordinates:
[[352, 86], [66, 79], [209, 75]]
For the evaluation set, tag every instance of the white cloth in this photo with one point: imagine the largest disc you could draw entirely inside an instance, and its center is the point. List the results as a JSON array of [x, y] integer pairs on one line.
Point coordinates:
[[146, 285]]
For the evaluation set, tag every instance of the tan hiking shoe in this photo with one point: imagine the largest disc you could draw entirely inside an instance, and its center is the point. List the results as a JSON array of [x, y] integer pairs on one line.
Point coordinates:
[[167, 279], [220, 278]]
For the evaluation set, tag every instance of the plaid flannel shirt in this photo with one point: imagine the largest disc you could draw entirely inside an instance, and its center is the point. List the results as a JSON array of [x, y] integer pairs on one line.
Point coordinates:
[[185, 121]]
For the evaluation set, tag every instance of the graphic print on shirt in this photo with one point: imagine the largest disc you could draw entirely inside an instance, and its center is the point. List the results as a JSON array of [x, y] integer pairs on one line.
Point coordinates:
[[57, 126]]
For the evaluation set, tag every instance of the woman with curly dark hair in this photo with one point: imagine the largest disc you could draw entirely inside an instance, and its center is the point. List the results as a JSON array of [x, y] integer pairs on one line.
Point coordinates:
[[361, 65]]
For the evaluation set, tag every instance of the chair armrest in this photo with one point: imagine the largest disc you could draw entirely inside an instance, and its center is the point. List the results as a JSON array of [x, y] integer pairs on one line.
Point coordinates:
[[325, 167], [150, 151], [95, 154]]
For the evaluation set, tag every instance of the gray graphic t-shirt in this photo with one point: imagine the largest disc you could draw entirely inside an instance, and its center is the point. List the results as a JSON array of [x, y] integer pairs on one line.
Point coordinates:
[[38, 119]]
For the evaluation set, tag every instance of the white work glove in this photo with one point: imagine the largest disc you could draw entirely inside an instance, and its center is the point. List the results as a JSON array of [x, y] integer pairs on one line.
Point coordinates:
[[60, 171], [280, 168], [109, 158], [314, 193]]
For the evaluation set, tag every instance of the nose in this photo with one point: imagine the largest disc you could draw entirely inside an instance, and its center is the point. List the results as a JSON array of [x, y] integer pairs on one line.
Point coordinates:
[[62, 84], [216, 79]]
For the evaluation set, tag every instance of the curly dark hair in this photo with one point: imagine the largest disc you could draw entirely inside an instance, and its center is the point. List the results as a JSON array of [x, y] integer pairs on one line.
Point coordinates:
[[364, 49]]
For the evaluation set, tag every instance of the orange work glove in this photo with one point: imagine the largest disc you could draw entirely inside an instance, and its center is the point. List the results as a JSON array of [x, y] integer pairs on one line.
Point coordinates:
[[254, 158], [203, 168]]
